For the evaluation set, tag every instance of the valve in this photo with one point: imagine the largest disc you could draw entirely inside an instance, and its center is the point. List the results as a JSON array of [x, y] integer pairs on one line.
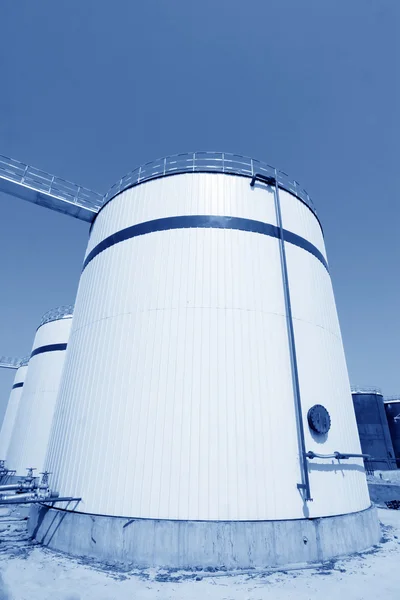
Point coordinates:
[[45, 479], [43, 490]]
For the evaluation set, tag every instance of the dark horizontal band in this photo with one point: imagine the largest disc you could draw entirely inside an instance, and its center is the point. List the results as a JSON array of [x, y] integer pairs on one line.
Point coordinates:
[[203, 222], [17, 385], [288, 188], [49, 348]]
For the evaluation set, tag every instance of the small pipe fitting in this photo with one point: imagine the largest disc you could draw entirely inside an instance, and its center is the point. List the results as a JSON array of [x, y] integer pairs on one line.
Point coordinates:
[[336, 455]]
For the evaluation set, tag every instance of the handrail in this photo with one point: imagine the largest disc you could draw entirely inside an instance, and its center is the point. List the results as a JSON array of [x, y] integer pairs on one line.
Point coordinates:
[[39, 187], [40, 181], [8, 362], [54, 314], [362, 389], [208, 162]]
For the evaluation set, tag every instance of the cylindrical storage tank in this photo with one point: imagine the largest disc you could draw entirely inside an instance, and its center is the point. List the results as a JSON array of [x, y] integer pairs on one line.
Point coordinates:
[[12, 408], [392, 408], [373, 427], [205, 317], [36, 408]]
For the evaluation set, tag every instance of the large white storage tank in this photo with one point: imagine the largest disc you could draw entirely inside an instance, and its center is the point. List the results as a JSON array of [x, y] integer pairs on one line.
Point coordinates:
[[205, 329], [31, 431], [12, 408]]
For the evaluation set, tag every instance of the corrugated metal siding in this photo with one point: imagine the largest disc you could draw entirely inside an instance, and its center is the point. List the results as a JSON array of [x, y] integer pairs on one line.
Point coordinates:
[[324, 380], [35, 413], [176, 399], [373, 429], [299, 219], [181, 424], [392, 410], [11, 412], [197, 194]]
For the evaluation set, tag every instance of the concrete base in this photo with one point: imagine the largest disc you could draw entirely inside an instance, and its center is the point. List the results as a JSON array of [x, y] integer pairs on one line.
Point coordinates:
[[190, 544]]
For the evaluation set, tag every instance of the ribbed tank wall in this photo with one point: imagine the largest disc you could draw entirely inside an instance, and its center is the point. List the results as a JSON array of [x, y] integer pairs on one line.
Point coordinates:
[[392, 409], [176, 400], [11, 411], [373, 429], [36, 408]]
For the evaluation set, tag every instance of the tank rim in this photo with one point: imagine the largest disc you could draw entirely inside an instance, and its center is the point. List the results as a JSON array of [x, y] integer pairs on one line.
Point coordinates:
[[392, 399], [206, 162], [55, 314], [362, 389]]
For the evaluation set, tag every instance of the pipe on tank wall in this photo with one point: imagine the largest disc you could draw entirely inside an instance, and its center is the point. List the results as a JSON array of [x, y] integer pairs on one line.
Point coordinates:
[[305, 484]]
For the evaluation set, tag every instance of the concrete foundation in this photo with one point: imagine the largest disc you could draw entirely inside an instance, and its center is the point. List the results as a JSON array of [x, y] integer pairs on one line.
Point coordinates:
[[190, 544]]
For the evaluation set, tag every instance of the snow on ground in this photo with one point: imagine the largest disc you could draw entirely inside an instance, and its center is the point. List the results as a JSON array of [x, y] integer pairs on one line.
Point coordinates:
[[391, 476], [29, 572]]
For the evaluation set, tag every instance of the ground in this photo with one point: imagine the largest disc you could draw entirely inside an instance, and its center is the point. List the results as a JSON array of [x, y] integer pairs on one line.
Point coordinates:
[[30, 572]]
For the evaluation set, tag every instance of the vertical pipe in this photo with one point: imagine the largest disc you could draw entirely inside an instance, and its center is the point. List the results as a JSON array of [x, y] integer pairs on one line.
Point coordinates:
[[292, 346]]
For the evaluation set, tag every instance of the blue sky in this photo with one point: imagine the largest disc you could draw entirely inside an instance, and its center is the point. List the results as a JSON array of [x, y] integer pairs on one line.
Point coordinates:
[[91, 89]]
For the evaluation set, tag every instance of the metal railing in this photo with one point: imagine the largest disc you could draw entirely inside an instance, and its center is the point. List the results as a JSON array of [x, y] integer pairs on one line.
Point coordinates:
[[392, 398], [9, 362], [40, 181], [375, 464], [57, 313], [362, 389], [209, 162], [87, 203]]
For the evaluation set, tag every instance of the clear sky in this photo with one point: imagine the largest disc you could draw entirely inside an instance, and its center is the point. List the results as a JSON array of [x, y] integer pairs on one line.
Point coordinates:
[[90, 89]]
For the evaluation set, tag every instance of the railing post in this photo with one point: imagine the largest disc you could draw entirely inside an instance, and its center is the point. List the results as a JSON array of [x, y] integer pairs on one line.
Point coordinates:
[[24, 175]]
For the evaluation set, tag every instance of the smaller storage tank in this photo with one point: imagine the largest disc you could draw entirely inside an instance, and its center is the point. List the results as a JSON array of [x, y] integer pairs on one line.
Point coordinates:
[[392, 409], [34, 417], [373, 427], [12, 408]]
